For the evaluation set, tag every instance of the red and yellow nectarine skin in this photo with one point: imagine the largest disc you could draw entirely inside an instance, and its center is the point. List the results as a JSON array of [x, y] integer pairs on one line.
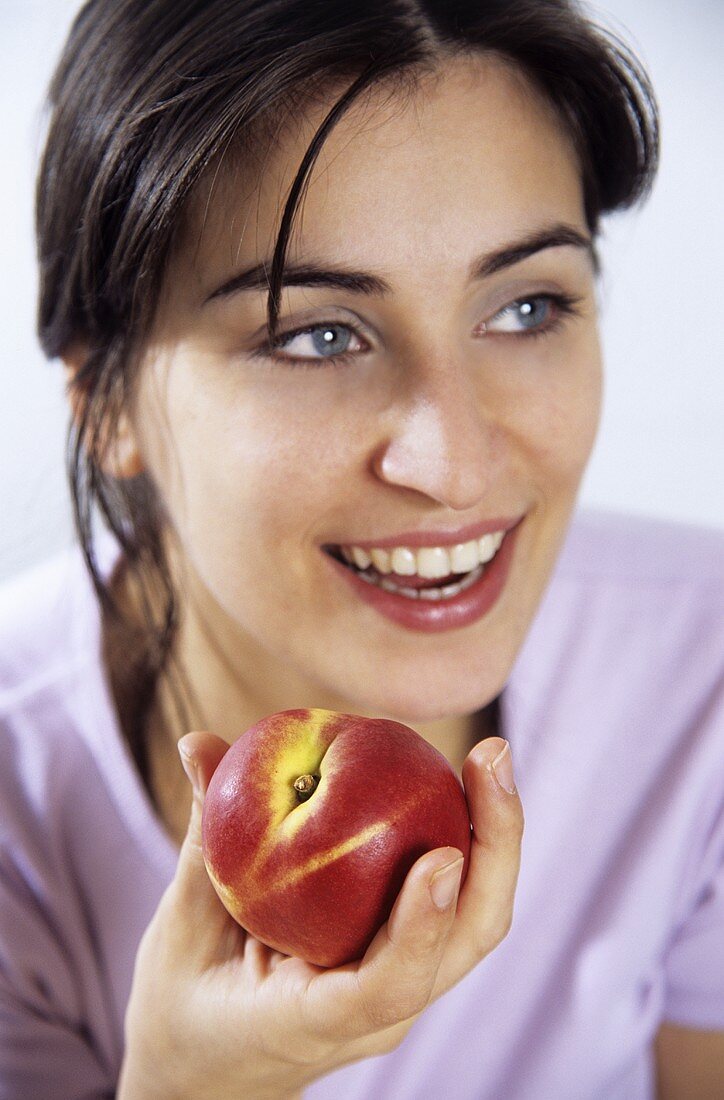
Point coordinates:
[[317, 878]]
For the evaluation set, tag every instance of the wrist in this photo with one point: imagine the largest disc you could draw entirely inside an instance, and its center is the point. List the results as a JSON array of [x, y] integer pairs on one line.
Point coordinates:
[[139, 1081], [136, 1083]]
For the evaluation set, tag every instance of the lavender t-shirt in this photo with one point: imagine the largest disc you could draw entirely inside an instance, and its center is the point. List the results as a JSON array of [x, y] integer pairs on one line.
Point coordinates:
[[615, 714]]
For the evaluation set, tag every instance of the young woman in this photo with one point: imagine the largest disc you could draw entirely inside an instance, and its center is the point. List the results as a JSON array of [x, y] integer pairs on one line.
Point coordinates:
[[323, 277]]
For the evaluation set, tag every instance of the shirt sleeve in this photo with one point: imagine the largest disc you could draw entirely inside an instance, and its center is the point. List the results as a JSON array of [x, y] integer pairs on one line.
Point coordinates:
[[46, 1050], [694, 964]]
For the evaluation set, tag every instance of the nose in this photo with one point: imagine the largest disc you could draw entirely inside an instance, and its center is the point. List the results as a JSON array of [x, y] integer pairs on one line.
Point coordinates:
[[439, 440]]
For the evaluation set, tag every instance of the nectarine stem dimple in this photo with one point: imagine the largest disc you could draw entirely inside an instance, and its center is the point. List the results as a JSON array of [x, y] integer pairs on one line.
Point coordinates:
[[305, 786]]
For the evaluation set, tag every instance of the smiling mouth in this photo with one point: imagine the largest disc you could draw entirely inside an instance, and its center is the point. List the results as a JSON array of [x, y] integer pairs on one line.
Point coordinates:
[[428, 573]]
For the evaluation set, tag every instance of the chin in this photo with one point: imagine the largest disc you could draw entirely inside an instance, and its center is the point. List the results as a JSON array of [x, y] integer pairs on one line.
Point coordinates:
[[425, 702], [434, 685]]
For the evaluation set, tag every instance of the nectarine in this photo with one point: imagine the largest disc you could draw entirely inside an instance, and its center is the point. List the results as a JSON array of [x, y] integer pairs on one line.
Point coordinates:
[[312, 820]]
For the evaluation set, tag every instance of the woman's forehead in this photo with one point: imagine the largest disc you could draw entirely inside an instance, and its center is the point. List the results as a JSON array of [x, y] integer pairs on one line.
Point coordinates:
[[473, 141]]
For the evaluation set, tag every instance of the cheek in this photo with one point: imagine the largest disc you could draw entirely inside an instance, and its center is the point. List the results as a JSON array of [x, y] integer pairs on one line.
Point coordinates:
[[582, 408], [242, 465], [556, 413]]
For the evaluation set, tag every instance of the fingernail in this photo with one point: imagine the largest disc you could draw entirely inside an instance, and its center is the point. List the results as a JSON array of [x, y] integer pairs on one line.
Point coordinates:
[[445, 884], [192, 771], [502, 769]]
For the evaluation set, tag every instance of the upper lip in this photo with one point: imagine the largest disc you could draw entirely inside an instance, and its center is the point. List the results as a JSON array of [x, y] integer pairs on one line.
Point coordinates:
[[417, 539]]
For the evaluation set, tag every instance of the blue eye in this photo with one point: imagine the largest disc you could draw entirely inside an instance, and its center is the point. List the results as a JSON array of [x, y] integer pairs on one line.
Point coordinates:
[[335, 343], [325, 341], [533, 315]]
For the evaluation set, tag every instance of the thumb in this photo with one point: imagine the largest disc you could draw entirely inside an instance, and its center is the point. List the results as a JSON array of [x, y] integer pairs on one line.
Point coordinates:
[[200, 755]]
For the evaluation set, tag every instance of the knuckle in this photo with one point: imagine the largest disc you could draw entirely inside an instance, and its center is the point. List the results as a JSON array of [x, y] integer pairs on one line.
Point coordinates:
[[505, 832], [504, 926], [168, 930], [392, 1037], [379, 1015], [376, 1021], [168, 942], [492, 932], [419, 950], [382, 1042], [168, 905], [310, 1055], [152, 940], [397, 1006], [409, 1001]]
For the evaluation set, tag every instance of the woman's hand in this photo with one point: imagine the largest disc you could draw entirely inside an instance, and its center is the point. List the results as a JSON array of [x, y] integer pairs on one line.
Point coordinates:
[[216, 1015]]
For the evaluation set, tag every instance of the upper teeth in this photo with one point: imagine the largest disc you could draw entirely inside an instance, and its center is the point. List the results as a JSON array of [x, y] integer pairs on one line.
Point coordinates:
[[427, 561]]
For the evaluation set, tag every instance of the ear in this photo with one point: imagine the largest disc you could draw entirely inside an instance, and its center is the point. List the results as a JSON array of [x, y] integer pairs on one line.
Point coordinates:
[[118, 453]]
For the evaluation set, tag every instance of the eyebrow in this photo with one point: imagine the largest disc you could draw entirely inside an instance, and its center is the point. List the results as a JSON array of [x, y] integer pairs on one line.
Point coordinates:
[[360, 282]]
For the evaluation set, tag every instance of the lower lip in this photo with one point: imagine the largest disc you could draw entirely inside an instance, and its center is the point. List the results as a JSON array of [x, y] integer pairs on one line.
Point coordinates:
[[434, 616]]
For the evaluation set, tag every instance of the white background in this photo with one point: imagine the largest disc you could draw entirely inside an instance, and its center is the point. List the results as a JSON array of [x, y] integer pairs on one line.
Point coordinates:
[[661, 446]]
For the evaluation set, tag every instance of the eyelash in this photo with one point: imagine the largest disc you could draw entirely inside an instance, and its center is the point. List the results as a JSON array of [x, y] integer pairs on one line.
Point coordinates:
[[566, 305]]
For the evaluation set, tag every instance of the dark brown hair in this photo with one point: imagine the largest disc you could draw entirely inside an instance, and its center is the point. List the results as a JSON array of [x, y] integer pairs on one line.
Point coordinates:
[[148, 94]]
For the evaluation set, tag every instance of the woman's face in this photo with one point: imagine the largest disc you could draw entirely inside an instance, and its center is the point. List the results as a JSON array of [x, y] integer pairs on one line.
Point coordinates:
[[445, 386]]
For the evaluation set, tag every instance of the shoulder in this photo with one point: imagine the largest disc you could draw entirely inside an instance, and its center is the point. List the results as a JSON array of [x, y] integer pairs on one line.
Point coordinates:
[[52, 690], [630, 631], [35, 617], [629, 551], [631, 582], [69, 795], [615, 711], [49, 624], [68, 783]]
